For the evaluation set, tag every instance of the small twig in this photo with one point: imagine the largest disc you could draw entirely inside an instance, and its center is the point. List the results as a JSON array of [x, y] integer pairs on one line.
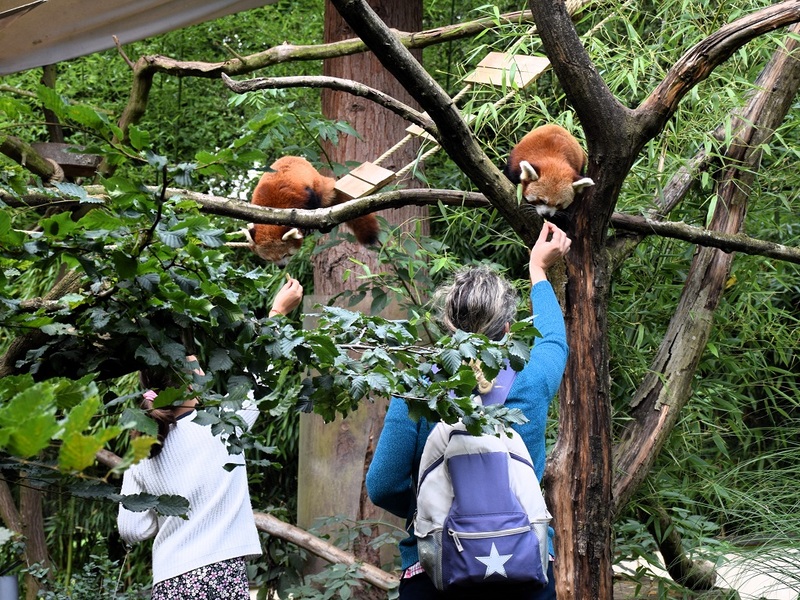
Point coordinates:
[[122, 52]]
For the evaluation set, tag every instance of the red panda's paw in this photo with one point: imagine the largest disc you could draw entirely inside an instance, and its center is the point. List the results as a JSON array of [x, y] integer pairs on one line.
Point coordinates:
[[249, 233]]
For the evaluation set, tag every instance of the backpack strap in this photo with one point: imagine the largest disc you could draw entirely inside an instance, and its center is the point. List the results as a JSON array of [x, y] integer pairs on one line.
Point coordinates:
[[501, 388]]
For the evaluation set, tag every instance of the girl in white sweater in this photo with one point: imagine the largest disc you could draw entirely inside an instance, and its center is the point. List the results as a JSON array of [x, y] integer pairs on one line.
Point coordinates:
[[201, 556]]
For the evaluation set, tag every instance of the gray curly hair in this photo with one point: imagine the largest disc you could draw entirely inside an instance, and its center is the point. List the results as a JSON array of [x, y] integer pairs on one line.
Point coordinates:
[[477, 301]]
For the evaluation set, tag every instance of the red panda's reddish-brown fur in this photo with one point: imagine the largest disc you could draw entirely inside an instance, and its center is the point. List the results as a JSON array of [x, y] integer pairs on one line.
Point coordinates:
[[293, 182], [549, 163]]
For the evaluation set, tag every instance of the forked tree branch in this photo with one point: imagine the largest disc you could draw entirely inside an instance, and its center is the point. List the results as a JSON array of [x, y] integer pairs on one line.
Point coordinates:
[[667, 387], [147, 66]]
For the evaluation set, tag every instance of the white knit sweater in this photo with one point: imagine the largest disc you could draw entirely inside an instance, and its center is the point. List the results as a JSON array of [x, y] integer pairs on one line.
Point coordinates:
[[220, 522]]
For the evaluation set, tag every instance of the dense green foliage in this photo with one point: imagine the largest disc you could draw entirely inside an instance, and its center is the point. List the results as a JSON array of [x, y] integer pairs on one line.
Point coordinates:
[[163, 282]]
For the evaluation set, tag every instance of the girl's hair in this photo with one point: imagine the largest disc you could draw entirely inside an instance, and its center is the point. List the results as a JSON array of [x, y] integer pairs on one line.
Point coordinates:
[[478, 301], [156, 380]]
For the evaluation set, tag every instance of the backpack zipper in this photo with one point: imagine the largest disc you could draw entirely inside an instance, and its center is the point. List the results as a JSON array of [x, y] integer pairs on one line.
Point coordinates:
[[478, 535]]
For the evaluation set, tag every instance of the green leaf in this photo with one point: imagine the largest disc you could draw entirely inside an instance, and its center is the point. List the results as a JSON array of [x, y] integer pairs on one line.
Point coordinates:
[[80, 416], [450, 359], [27, 420], [219, 360], [213, 238], [78, 452], [167, 505], [71, 190], [173, 239], [138, 420], [150, 356], [167, 397], [139, 138], [358, 387], [59, 225], [124, 264]]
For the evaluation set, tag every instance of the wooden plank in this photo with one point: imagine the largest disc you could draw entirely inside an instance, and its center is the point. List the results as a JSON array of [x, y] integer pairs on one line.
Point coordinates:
[[352, 187], [495, 60], [418, 131], [496, 69], [371, 173], [68, 156]]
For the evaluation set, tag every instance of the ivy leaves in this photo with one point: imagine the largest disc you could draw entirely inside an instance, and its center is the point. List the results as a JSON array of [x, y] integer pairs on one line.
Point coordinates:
[[351, 356]]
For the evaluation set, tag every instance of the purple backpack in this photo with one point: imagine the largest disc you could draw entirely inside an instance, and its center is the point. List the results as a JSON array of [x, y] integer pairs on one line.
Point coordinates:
[[481, 517]]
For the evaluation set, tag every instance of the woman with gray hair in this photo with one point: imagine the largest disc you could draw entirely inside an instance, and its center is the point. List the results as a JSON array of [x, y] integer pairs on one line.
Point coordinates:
[[479, 301]]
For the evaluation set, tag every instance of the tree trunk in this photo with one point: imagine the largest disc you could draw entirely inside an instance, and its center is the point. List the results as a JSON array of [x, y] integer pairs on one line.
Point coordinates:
[[30, 503], [379, 128], [329, 453]]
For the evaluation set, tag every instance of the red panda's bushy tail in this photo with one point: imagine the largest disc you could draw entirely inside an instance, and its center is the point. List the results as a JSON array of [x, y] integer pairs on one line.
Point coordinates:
[[365, 229]]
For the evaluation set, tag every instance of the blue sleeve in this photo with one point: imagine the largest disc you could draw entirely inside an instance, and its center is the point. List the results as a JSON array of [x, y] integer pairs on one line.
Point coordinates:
[[550, 351], [538, 382], [390, 484]]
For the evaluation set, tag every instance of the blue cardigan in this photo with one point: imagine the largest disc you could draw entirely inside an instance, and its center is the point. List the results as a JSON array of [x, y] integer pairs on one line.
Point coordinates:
[[390, 478]]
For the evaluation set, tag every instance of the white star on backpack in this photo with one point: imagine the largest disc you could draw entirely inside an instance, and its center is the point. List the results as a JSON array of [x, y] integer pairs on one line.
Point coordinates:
[[494, 562]]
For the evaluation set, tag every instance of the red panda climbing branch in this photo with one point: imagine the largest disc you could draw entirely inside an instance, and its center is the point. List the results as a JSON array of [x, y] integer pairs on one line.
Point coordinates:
[[549, 163], [294, 183]]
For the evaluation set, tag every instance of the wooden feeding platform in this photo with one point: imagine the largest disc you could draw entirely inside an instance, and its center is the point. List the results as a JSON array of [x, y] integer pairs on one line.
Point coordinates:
[[70, 158], [500, 68], [363, 180]]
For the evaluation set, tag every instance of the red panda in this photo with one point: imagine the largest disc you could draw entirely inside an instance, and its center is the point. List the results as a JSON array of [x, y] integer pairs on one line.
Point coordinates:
[[548, 162], [294, 183]]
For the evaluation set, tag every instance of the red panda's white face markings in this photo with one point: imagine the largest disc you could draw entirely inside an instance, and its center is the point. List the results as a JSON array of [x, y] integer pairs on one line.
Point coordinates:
[[550, 191], [271, 247], [548, 161], [293, 182]]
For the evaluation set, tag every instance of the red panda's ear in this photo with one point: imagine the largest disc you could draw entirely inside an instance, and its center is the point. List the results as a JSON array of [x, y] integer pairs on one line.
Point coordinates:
[[582, 183], [292, 234], [528, 172]]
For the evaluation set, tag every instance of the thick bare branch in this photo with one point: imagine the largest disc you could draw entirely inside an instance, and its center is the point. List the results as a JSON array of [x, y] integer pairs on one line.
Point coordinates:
[[727, 242], [601, 115], [325, 550], [335, 83], [24, 154], [325, 219], [694, 574], [698, 63], [147, 66]]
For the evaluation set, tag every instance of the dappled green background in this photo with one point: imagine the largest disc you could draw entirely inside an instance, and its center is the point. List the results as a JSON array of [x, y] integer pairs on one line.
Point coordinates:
[[729, 471]]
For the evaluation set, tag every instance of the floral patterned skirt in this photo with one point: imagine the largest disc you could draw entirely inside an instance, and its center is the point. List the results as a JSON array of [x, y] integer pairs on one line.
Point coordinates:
[[224, 580]]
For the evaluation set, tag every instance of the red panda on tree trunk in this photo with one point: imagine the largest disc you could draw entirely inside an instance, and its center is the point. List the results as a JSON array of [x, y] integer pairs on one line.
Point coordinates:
[[549, 163], [293, 182]]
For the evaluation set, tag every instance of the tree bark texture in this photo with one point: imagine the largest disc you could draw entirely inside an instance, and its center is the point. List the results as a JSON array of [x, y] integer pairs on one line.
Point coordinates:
[[579, 472], [30, 503], [328, 452], [380, 129]]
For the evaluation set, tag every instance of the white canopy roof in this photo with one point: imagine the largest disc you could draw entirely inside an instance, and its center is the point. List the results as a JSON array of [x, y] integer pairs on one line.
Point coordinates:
[[34, 33]]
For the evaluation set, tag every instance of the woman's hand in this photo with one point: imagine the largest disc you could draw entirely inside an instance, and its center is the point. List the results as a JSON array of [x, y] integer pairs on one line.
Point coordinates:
[[546, 252], [288, 297]]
